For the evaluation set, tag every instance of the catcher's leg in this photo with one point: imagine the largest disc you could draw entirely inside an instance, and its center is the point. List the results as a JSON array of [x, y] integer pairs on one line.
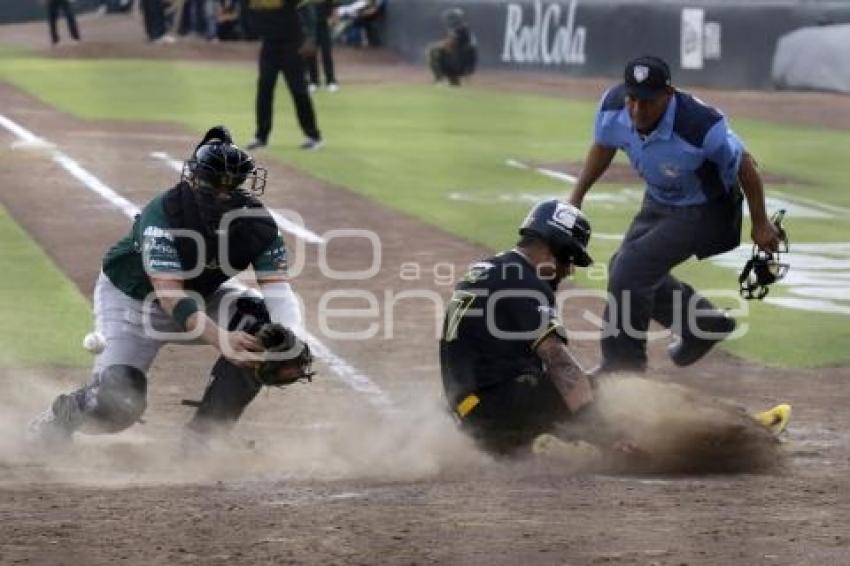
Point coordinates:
[[114, 401], [115, 398], [228, 392], [230, 388]]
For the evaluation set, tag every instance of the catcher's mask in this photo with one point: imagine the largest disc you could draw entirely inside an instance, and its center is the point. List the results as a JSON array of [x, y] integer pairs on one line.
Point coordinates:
[[765, 268], [563, 227], [223, 176]]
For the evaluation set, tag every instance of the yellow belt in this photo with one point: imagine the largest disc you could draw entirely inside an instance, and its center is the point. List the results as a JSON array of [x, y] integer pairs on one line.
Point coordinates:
[[469, 402]]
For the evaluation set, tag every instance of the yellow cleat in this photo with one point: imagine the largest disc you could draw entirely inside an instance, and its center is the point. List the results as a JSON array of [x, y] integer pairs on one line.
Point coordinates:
[[776, 419], [575, 455]]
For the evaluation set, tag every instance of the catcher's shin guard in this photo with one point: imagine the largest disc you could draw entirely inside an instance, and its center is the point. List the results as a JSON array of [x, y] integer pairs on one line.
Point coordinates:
[[229, 391], [120, 399], [114, 401]]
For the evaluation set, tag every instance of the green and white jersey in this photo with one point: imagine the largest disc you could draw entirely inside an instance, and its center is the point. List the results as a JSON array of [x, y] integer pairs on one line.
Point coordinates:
[[151, 248]]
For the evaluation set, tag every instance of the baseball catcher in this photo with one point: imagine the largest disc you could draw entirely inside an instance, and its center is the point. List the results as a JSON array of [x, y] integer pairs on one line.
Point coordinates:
[[169, 281]]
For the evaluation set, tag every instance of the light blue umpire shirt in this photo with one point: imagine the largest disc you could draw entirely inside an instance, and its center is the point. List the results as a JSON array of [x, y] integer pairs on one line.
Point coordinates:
[[691, 158]]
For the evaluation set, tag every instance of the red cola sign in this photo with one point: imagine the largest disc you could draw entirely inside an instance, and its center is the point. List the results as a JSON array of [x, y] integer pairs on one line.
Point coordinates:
[[551, 37]]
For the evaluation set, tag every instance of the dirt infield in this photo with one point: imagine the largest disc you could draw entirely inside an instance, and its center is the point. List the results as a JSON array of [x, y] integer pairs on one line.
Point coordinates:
[[324, 473]]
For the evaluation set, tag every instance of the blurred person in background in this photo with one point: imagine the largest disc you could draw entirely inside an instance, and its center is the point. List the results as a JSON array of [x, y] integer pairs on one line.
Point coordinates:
[[324, 46], [204, 18], [53, 8], [229, 21], [358, 22], [155, 21], [287, 29], [455, 56]]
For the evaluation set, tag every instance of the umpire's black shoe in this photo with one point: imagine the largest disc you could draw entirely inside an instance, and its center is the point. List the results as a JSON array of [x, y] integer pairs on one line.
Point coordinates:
[[689, 349]]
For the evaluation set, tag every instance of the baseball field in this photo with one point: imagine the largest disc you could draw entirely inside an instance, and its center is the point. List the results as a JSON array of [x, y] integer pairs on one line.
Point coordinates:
[[363, 466]]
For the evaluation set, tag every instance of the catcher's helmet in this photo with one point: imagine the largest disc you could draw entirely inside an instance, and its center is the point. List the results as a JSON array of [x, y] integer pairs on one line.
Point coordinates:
[[563, 227], [220, 165]]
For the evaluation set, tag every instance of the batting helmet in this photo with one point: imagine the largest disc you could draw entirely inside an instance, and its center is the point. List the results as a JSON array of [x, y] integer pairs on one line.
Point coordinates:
[[563, 227]]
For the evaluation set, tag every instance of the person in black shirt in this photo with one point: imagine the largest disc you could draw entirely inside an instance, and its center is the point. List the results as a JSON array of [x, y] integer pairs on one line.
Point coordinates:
[[507, 372], [455, 56], [288, 32]]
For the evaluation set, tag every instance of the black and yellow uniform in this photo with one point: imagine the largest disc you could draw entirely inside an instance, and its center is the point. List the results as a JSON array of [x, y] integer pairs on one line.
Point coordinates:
[[493, 379], [284, 26]]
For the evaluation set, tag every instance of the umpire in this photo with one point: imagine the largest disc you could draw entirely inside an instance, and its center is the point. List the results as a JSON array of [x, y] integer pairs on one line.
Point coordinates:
[[507, 373], [287, 29], [694, 167]]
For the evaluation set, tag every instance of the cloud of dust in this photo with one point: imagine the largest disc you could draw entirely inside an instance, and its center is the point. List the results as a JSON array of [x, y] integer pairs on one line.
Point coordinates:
[[678, 430], [681, 430], [414, 442]]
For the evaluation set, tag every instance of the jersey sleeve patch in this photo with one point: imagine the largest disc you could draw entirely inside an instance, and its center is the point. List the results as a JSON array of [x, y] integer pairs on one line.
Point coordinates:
[[273, 263], [158, 246], [159, 253]]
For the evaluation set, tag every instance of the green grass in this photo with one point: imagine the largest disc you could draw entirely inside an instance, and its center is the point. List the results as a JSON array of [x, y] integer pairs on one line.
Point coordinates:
[[44, 315], [409, 147]]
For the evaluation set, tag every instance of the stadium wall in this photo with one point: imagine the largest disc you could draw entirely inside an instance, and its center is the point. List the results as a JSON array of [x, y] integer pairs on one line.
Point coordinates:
[[706, 43]]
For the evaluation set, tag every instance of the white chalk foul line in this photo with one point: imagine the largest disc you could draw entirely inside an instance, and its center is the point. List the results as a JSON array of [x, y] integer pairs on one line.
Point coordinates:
[[349, 375], [24, 135], [285, 224], [552, 174]]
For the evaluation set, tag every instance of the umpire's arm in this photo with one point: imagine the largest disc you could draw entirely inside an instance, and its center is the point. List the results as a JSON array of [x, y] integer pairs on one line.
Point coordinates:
[[764, 233], [598, 159], [565, 373]]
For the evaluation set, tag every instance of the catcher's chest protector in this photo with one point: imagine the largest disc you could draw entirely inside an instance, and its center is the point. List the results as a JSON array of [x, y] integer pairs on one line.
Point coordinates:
[[248, 237]]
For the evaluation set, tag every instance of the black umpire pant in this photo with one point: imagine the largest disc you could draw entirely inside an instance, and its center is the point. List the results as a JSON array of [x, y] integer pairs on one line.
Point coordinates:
[[53, 8], [640, 286], [324, 48], [283, 58]]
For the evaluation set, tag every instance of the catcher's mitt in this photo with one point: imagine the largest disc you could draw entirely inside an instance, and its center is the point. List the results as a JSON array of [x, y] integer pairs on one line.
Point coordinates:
[[286, 358]]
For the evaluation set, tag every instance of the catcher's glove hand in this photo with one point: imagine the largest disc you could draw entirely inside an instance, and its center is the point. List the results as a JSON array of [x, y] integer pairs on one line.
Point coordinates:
[[286, 358]]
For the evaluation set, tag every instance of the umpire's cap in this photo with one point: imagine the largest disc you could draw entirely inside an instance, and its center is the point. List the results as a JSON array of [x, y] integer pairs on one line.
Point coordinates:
[[646, 77], [563, 227]]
